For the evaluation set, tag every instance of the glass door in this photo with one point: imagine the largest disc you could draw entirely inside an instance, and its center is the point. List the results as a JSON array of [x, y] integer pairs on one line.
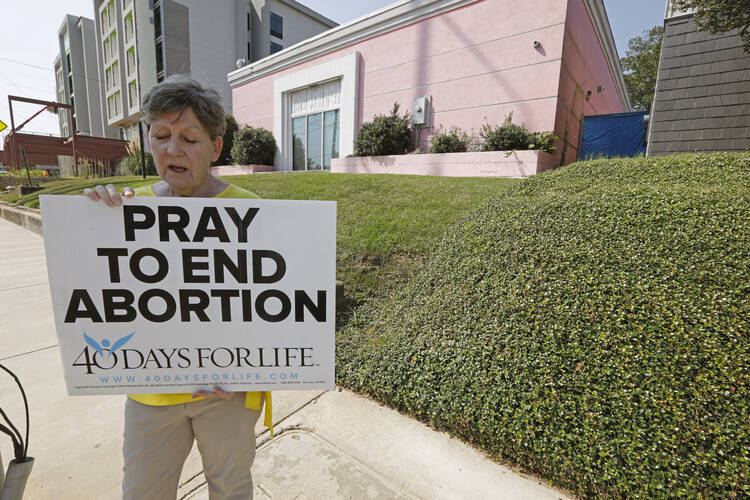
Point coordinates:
[[315, 126], [315, 140]]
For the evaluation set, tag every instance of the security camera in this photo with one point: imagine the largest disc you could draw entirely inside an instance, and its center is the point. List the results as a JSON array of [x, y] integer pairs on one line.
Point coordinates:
[[536, 43]]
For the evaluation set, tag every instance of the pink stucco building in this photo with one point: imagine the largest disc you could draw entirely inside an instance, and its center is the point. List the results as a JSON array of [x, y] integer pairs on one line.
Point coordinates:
[[547, 61]]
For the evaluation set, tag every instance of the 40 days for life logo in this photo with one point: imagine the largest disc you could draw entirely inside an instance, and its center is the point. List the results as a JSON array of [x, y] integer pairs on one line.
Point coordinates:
[[104, 356]]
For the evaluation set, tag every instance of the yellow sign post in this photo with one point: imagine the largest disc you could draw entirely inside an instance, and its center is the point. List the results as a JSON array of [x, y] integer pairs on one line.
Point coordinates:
[[2, 126]]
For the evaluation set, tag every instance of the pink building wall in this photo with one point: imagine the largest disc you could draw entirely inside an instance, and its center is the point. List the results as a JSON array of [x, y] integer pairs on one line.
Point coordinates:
[[584, 68], [478, 64]]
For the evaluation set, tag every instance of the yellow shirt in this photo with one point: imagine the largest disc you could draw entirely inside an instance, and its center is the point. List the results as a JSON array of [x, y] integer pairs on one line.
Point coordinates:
[[253, 400]]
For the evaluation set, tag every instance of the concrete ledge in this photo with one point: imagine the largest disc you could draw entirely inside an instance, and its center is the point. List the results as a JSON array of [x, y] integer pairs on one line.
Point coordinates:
[[477, 164], [240, 169], [28, 218]]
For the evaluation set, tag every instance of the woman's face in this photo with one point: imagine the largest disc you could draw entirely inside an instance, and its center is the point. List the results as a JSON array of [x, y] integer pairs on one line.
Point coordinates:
[[182, 150]]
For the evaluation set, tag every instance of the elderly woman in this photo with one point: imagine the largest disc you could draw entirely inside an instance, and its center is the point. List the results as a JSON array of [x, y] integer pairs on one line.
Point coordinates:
[[185, 127]]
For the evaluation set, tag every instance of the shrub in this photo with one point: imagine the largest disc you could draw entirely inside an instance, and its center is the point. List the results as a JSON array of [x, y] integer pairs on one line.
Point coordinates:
[[253, 146], [509, 136], [543, 141], [384, 135], [131, 164], [589, 324], [225, 157], [454, 140]]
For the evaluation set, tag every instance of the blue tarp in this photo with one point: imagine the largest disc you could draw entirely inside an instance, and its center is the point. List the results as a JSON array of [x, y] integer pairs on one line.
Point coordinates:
[[619, 134]]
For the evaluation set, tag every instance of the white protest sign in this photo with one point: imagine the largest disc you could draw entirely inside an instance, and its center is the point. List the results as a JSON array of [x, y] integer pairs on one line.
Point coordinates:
[[171, 295]]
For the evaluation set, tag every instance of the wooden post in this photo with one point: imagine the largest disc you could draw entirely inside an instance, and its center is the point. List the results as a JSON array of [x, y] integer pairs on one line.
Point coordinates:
[[13, 132]]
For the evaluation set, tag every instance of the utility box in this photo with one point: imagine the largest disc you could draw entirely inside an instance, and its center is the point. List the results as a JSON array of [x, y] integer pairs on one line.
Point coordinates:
[[421, 111]]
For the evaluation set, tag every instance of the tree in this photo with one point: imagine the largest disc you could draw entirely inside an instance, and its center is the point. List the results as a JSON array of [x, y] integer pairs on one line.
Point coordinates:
[[640, 64], [225, 157], [719, 16]]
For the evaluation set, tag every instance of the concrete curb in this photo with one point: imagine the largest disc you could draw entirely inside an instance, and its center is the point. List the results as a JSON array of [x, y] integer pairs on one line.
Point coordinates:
[[28, 218]]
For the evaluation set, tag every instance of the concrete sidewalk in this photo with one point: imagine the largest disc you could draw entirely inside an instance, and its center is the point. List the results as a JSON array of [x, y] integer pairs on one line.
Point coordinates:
[[328, 444]]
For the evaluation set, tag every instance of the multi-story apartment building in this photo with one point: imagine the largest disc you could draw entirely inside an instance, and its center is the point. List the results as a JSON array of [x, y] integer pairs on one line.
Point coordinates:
[[141, 42], [77, 79]]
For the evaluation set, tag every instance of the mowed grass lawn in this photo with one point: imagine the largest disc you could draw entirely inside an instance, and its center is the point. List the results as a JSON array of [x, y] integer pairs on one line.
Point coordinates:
[[387, 225]]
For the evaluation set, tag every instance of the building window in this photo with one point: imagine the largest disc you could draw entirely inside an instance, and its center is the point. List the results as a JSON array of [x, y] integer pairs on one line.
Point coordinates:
[[110, 47], [111, 12], [277, 25], [133, 94], [118, 102], [159, 62], [112, 76], [67, 61], [131, 61], [128, 27], [157, 21], [248, 22], [116, 74], [104, 21], [315, 126], [275, 47], [249, 52]]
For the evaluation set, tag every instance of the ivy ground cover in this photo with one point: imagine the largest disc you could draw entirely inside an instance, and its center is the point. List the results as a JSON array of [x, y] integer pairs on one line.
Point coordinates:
[[589, 324]]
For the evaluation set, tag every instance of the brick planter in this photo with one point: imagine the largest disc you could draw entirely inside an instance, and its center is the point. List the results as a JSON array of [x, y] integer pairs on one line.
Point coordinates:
[[240, 169], [484, 164]]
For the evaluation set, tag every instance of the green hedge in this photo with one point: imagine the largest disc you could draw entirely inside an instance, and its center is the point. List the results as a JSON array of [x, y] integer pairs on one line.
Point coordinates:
[[590, 325], [253, 146]]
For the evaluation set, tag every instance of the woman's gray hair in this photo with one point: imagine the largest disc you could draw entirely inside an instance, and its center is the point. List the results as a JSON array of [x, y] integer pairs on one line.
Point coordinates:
[[179, 92]]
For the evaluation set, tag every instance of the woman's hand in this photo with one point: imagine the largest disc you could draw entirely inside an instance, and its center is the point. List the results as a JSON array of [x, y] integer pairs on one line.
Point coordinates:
[[218, 392], [108, 194]]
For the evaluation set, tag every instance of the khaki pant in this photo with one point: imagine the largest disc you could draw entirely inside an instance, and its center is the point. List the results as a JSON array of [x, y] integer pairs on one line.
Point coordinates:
[[158, 439]]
